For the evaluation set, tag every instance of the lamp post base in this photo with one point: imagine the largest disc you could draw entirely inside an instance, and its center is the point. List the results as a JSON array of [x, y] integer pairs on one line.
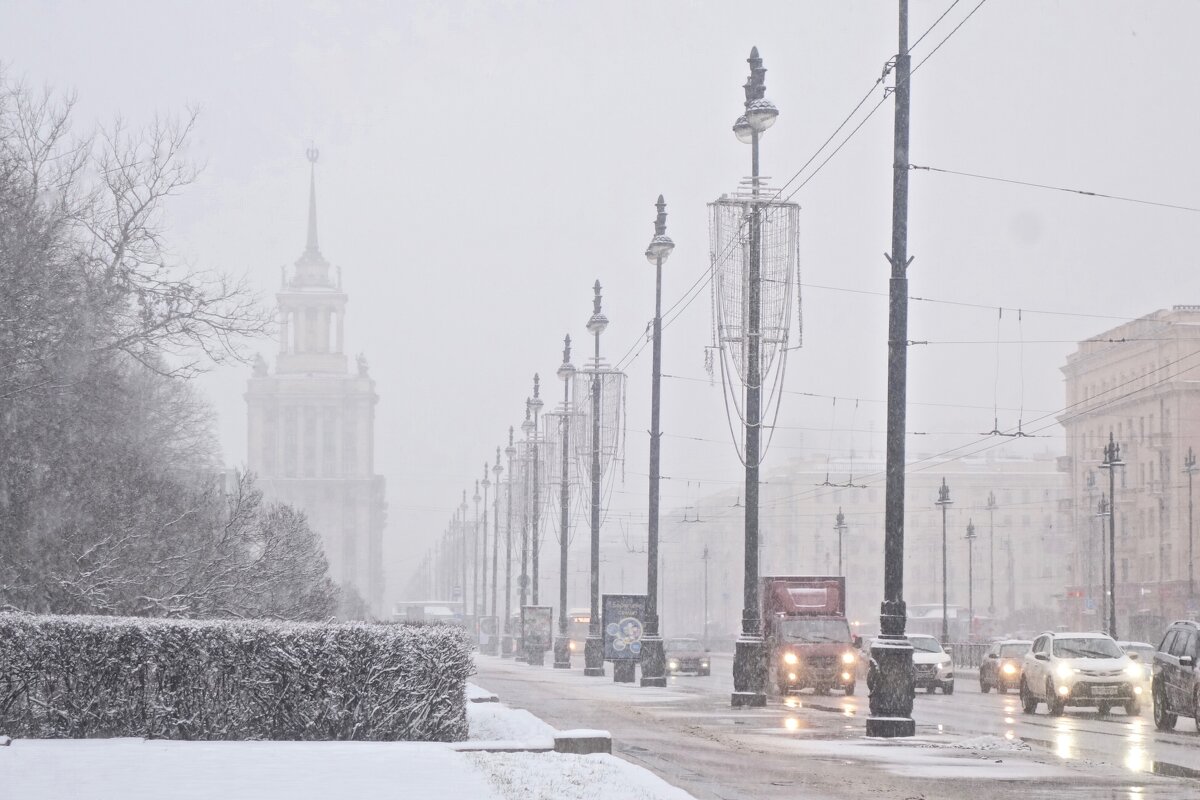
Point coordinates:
[[562, 653], [593, 657], [506, 647], [653, 661], [535, 657], [749, 672], [624, 671], [891, 689]]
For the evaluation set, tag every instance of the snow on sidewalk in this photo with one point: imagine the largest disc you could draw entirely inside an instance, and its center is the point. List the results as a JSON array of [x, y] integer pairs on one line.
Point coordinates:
[[138, 769]]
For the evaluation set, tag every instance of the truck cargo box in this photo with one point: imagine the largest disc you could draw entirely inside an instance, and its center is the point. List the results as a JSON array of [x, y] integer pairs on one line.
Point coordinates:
[[803, 595]]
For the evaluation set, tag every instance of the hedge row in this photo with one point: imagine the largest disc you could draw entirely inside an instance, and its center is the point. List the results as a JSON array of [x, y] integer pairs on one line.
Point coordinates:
[[75, 677]]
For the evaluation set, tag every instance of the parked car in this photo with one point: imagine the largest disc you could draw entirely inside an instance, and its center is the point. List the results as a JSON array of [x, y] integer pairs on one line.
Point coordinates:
[[686, 655], [1174, 686], [1145, 657], [1079, 669], [1001, 666], [932, 666]]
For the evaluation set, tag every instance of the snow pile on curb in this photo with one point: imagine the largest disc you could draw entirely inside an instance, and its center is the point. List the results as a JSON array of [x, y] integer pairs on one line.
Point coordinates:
[[554, 776], [496, 722]]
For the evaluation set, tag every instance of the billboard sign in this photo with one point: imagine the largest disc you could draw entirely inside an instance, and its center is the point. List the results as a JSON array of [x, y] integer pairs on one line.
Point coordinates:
[[537, 629], [622, 619]]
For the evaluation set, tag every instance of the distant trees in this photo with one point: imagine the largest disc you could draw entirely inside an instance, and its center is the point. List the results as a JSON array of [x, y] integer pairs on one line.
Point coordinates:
[[109, 472]]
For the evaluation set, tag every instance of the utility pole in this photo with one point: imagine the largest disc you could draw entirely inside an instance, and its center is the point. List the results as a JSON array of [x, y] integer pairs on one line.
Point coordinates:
[[840, 527], [991, 509], [1112, 460], [890, 680], [462, 529], [1189, 467], [944, 501]]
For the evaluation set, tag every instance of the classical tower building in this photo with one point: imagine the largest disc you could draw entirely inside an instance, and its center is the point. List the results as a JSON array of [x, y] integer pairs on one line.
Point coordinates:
[[312, 423]]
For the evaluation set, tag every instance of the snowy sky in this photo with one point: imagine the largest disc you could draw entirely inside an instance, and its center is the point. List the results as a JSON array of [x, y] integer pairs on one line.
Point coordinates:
[[482, 163]]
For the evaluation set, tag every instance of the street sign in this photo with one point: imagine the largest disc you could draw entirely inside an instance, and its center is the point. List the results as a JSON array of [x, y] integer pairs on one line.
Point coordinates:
[[621, 620]]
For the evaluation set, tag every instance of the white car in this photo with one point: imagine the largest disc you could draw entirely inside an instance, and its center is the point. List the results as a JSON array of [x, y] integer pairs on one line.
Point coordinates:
[[1080, 669], [932, 666], [1145, 657]]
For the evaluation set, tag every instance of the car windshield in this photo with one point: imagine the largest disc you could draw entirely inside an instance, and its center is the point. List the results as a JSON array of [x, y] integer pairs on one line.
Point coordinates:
[[1087, 648], [815, 630], [926, 644], [683, 644], [1014, 650]]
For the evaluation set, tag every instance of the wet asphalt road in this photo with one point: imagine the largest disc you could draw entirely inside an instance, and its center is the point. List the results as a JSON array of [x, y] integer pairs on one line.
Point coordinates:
[[813, 746]]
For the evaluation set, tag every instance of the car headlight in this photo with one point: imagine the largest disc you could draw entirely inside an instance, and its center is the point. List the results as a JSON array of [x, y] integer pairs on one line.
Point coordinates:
[[847, 658], [704, 663], [1009, 669], [1064, 671], [1135, 671], [790, 658], [571, 646], [673, 664]]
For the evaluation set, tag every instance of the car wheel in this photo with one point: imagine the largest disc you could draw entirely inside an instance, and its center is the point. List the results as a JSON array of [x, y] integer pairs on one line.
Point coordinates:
[[1164, 720], [948, 687], [1029, 703], [850, 689], [1196, 707], [1054, 704], [930, 689], [1133, 708], [1001, 689], [1103, 709], [984, 687], [705, 673], [822, 690]]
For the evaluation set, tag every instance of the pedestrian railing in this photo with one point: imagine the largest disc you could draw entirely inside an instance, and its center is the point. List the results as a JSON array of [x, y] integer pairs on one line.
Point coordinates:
[[967, 654]]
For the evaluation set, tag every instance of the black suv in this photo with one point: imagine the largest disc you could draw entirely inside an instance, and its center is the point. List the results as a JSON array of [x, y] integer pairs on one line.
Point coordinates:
[[1175, 686]]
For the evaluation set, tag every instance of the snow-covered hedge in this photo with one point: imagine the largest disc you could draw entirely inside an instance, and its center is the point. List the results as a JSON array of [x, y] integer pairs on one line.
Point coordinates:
[[74, 677]]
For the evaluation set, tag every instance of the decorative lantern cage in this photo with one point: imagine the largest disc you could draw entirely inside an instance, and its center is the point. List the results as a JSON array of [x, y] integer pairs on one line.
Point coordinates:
[[733, 221]]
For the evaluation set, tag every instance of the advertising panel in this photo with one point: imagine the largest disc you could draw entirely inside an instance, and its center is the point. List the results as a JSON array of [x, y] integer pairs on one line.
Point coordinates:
[[621, 620], [537, 630]]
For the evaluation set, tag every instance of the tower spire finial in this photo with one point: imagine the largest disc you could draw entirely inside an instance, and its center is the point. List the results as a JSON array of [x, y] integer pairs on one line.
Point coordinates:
[[311, 246]]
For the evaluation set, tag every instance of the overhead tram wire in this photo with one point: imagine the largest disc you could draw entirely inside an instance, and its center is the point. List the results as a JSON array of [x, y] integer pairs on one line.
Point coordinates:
[[703, 280], [1049, 187], [938, 459]]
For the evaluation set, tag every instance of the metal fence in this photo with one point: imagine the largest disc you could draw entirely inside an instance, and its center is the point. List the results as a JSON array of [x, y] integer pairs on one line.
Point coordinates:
[[967, 654]]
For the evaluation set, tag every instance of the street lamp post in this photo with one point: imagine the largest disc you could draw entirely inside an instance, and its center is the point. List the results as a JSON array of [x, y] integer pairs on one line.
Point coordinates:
[[593, 649], [991, 509], [462, 527], [1189, 467], [840, 527], [506, 643], [1103, 511], [562, 645], [944, 501], [970, 578], [652, 656], [476, 556], [704, 557], [483, 593], [750, 657], [1112, 460], [525, 461], [536, 537]]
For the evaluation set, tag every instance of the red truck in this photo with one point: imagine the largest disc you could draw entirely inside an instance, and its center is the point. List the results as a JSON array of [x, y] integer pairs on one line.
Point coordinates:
[[807, 636]]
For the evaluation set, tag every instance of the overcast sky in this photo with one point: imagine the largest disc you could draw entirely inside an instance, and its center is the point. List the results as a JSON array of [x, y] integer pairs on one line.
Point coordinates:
[[482, 163]]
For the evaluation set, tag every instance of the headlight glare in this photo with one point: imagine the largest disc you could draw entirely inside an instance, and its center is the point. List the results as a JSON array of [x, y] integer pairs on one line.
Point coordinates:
[[1010, 669], [1064, 671], [847, 658], [1134, 671], [790, 658]]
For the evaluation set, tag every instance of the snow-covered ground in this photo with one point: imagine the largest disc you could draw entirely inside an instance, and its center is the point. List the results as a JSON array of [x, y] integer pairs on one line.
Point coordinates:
[[137, 769]]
